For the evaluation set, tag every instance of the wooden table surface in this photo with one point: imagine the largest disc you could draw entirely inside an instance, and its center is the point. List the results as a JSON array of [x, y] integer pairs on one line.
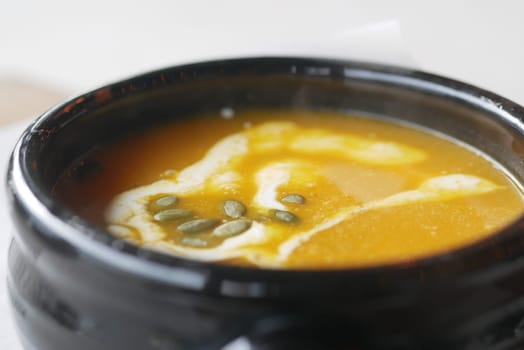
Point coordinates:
[[25, 100]]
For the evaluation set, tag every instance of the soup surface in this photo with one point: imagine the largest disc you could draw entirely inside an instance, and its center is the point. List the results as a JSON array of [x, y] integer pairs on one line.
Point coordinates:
[[290, 189]]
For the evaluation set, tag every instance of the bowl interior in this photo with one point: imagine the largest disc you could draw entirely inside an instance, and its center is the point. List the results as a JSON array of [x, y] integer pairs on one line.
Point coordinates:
[[476, 117]]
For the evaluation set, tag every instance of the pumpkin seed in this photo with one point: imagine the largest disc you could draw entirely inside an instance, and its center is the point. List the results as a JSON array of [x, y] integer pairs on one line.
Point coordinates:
[[234, 209], [197, 225], [232, 228], [172, 214], [166, 201], [194, 242], [284, 216], [294, 198]]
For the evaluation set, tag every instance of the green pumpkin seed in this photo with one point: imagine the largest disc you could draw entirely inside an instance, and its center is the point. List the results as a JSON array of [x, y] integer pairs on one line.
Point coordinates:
[[194, 242], [294, 198], [198, 225], [232, 228], [234, 209], [284, 216], [166, 201], [172, 214]]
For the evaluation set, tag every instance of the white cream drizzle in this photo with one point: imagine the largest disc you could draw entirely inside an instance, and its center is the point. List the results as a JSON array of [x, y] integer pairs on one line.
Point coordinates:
[[217, 172], [440, 188]]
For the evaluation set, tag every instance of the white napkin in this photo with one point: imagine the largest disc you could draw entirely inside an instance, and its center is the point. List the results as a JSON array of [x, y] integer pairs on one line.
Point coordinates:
[[377, 42]]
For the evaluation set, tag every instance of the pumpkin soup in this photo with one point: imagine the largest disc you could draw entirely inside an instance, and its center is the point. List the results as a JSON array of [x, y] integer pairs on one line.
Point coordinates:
[[292, 189]]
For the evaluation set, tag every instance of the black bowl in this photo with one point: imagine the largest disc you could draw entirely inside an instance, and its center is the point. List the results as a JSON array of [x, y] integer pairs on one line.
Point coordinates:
[[73, 286]]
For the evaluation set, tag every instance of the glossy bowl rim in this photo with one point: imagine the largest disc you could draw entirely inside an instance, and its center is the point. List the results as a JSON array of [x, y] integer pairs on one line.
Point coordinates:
[[192, 274]]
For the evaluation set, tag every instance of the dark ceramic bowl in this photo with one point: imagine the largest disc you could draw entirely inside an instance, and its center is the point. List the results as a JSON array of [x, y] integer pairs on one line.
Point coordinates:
[[73, 286]]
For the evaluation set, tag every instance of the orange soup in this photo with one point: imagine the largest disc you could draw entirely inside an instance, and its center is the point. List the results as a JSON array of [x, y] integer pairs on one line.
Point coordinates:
[[292, 189]]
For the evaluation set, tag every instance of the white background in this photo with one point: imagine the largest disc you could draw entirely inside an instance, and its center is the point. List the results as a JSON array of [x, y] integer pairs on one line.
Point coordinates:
[[73, 46], [76, 45]]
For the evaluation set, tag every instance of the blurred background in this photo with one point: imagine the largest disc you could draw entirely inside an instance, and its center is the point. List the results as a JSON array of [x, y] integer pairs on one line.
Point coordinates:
[[53, 49]]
